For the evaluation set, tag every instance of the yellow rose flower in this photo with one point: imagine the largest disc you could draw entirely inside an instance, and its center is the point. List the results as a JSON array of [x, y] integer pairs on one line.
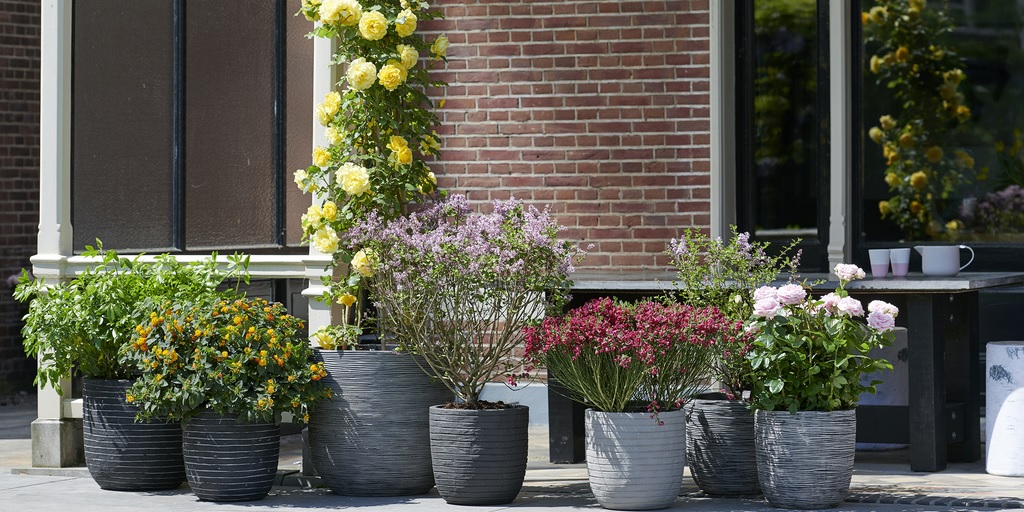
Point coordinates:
[[312, 216], [915, 207], [933, 154], [303, 182], [954, 76], [347, 299], [330, 211], [963, 113], [397, 142], [953, 226], [902, 54], [321, 158], [354, 179], [364, 261], [890, 153], [875, 65], [875, 134], [373, 25], [332, 103], [405, 23], [884, 208], [346, 12], [408, 55], [391, 76], [326, 240], [361, 74], [321, 115], [325, 340], [332, 135], [947, 90], [964, 159], [878, 14], [917, 5], [907, 141], [887, 122], [892, 179], [865, 18], [440, 46], [918, 180]]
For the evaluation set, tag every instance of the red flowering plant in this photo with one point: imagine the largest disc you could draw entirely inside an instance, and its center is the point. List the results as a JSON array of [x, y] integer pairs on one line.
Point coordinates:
[[617, 357]]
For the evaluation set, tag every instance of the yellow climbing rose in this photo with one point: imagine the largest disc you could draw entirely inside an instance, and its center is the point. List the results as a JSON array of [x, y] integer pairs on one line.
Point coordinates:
[[391, 75], [361, 74], [408, 55], [405, 23], [373, 25]]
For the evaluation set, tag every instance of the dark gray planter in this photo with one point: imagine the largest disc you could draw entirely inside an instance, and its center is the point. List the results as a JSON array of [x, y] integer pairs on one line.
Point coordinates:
[[123, 455], [228, 461], [479, 455], [720, 447], [805, 460], [372, 438]]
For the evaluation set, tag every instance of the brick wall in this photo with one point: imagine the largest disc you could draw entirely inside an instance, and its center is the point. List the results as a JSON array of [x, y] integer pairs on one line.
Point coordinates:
[[599, 108], [19, 176]]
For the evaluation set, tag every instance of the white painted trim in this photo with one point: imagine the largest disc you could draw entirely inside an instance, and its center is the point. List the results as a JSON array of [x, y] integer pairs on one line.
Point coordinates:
[[723, 117], [841, 132]]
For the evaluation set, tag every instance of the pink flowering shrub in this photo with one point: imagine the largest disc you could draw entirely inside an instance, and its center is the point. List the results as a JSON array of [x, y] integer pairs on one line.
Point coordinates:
[[808, 354], [618, 357]]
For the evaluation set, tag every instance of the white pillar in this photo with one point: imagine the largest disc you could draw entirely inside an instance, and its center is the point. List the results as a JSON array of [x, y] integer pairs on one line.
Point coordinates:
[[841, 132], [723, 118], [56, 441]]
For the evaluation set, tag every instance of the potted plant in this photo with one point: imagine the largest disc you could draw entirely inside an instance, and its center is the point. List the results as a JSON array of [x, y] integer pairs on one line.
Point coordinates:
[[81, 325], [807, 359], [719, 426], [229, 367], [633, 366], [457, 289]]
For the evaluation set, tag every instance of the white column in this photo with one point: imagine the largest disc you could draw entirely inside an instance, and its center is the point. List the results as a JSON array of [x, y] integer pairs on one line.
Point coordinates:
[[56, 442], [842, 136], [723, 118], [324, 77]]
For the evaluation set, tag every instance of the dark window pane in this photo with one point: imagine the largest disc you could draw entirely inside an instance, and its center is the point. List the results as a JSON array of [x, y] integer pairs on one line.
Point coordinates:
[[122, 125], [786, 127], [298, 120], [230, 142]]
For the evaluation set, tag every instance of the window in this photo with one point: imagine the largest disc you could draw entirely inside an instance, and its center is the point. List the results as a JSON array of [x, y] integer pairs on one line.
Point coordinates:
[[188, 117]]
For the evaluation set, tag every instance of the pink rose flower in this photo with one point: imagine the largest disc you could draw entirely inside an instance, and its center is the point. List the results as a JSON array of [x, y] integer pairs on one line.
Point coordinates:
[[883, 307], [847, 272], [831, 303], [850, 307], [791, 294], [765, 292], [880, 321], [767, 308]]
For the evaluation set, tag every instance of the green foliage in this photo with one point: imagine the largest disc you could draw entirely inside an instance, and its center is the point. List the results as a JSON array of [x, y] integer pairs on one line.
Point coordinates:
[[81, 324], [712, 273], [229, 354]]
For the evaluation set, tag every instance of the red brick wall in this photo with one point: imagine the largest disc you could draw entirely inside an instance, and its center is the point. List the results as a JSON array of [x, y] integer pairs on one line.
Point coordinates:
[[19, 176], [599, 108]]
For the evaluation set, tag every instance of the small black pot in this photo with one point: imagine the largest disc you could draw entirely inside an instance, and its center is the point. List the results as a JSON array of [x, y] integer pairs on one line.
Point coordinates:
[[230, 461]]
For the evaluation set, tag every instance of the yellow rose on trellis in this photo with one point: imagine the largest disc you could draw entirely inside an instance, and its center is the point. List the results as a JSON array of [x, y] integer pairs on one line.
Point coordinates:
[[373, 25]]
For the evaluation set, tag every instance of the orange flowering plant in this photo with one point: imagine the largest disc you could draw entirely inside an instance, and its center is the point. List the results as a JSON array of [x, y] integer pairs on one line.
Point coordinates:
[[923, 76], [231, 354]]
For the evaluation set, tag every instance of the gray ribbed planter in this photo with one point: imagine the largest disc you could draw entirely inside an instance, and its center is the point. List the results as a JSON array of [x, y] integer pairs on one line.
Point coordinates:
[[229, 461], [633, 462], [805, 460], [123, 455], [372, 438], [479, 455], [720, 447]]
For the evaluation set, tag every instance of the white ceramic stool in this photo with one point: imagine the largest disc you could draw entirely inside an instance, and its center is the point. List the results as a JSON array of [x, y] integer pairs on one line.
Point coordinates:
[[1004, 408]]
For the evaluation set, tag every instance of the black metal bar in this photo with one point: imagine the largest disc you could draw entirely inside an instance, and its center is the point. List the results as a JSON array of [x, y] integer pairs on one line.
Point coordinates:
[[746, 179], [280, 209], [823, 115], [856, 219], [178, 130]]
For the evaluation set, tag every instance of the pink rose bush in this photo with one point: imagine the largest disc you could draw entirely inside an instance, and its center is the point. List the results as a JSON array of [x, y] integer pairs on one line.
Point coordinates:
[[808, 353]]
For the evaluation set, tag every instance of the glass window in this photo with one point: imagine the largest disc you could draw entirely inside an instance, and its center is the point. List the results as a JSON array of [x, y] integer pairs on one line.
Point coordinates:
[[943, 110]]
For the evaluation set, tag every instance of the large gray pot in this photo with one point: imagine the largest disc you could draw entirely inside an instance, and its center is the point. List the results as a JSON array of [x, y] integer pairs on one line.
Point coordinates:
[[635, 462], [805, 460], [479, 455], [720, 447], [372, 438], [123, 455], [230, 461]]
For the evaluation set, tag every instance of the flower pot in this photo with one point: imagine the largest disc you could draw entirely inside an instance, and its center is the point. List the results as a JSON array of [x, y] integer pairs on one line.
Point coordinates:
[[633, 461], [479, 455], [123, 455], [372, 438], [805, 460], [230, 461], [720, 447]]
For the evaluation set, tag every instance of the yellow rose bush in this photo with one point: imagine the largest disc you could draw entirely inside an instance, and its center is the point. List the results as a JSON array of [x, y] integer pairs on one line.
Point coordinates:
[[379, 123], [923, 167]]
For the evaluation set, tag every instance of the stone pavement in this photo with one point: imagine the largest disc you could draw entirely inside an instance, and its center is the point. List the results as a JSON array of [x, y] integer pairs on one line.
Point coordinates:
[[882, 482]]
